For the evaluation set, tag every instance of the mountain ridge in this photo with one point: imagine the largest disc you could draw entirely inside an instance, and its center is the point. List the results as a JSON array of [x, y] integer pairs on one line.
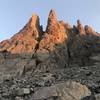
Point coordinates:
[[33, 31]]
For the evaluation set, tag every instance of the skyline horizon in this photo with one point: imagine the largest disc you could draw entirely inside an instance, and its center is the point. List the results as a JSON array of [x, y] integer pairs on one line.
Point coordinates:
[[15, 14], [45, 25]]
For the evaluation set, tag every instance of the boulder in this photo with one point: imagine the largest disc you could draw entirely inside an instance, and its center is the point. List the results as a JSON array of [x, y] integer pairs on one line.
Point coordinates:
[[42, 55], [23, 91], [69, 90]]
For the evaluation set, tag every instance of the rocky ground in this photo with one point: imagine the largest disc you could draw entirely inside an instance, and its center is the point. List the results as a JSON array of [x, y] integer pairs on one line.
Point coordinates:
[[60, 63]]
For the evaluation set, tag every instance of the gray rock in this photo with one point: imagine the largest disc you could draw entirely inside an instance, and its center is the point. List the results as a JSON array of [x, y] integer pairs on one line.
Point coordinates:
[[97, 58], [1, 58], [65, 91], [18, 98], [23, 91], [97, 96], [42, 55]]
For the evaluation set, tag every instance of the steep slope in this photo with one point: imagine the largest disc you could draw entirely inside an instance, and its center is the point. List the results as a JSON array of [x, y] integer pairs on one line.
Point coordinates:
[[25, 40], [55, 32]]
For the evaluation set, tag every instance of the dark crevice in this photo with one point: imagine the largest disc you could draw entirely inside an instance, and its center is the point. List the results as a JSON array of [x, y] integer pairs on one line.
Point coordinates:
[[37, 62], [37, 47], [69, 55]]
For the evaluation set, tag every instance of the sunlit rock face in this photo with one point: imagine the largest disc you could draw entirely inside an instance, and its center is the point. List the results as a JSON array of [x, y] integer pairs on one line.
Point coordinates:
[[57, 32], [55, 28], [26, 39]]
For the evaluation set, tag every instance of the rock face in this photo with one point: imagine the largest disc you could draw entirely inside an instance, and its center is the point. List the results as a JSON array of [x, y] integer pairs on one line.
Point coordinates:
[[89, 30], [55, 32], [34, 58], [80, 28], [26, 40]]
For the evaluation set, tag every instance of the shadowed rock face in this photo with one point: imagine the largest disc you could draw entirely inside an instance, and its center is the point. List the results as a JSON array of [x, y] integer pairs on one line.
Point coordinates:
[[80, 28], [38, 58], [89, 30]]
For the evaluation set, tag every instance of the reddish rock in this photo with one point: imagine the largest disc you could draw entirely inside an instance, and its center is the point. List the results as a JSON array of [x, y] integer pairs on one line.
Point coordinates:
[[55, 32], [31, 38], [4, 45], [25, 40], [32, 28], [66, 25]]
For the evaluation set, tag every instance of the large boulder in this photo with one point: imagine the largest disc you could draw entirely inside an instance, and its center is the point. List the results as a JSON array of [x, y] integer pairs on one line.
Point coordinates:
[[63, 91]]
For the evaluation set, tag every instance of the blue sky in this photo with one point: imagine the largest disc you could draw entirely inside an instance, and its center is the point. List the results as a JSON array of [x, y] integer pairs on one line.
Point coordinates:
[[14, 14]]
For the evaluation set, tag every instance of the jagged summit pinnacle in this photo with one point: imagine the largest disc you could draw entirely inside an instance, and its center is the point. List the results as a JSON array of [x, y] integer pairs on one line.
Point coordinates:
[[34, 20], [80, 27], [52, 14], [26, 39], [32, 27], [52, 19]]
